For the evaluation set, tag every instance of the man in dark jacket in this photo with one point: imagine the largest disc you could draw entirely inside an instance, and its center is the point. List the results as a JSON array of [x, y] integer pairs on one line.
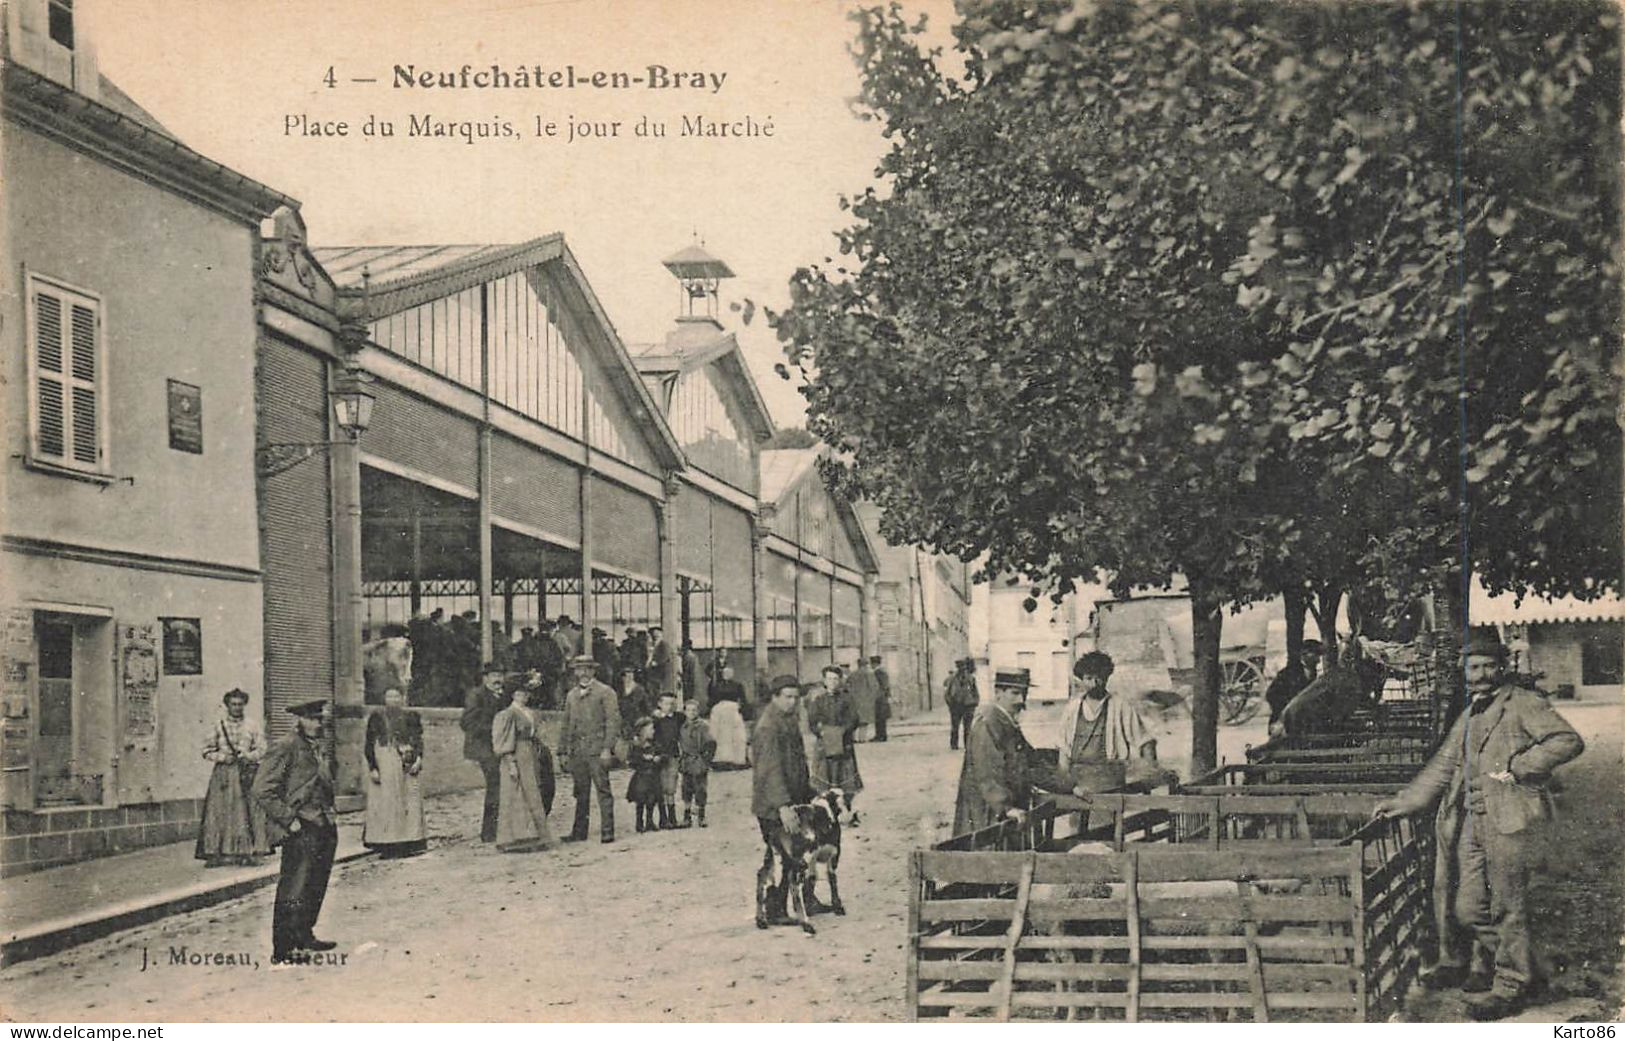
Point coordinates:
[[995, 780], [1297, 674], [294, 786], [882, 696], [1488, 782], [662, 663], [779, 781], [961, 697], [480, 707]]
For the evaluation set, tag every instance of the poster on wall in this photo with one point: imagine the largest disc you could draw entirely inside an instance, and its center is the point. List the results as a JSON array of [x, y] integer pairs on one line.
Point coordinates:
[[138, 658], [183, 646]]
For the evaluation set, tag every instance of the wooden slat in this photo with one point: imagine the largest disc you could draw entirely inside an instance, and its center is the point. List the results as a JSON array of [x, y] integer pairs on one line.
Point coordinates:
[[1261, 1008], [1275, 974], [1131, 890], [1018, 924], [1169, 863], [1052, 868], [1111, 999], [916, 892], [1257, 909]]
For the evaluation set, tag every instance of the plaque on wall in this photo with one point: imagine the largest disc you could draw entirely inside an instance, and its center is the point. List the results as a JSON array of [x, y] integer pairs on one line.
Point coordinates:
[[183, 646], [185, 417]]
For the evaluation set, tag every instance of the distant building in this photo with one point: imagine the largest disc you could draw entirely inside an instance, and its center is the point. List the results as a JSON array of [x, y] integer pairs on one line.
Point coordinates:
[[1576, 647], [1004, 634], [922, 617]]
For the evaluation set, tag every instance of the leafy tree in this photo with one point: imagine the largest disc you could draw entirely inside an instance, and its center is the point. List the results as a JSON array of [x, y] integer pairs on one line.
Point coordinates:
[[792, 437], [1166, 288]]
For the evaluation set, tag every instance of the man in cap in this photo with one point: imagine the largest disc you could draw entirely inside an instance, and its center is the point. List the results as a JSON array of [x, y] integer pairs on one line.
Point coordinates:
[[961, 697], [294, 787], [480, 708], [592, 722], [995, 780], [1488, 782], [779, 782]]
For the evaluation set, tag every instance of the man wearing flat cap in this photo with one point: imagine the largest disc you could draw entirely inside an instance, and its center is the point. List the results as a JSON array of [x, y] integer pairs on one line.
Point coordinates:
[[1488, 782], [295, 788], [592, 722], [995, 780]]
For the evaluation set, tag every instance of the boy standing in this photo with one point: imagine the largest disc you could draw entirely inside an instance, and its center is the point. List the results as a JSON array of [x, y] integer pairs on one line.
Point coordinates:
[[695, 750], [668, 736]]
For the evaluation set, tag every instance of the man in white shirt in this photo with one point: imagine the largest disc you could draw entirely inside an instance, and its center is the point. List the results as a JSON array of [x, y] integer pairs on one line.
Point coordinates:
[[1097, 728]]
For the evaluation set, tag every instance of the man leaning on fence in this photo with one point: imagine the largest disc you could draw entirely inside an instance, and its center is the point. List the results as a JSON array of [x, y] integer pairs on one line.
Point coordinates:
[[1488, 780], [995, 780]]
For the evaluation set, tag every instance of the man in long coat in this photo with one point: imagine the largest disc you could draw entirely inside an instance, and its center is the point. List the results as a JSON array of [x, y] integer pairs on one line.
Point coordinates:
[[779, 780], [995, 779], [480, 706], [862, 690], [592, 722], [833, 721], [1488, 780], [294, 786]]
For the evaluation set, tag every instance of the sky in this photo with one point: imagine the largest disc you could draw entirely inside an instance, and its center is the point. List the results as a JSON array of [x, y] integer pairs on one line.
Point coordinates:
[[226, 77]]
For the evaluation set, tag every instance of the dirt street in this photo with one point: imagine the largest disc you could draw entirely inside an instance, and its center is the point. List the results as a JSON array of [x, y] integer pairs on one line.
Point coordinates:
[[659, 927], [655, 927]]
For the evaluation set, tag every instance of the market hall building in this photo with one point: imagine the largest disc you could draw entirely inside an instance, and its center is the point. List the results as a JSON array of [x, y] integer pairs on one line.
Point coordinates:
[[518, 463]]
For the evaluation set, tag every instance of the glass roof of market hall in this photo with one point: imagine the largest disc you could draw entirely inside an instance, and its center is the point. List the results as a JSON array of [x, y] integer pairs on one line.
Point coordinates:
[[553, 354]]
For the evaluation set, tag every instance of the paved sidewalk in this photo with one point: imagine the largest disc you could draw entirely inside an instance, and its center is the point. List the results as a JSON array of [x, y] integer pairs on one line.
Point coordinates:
[[45, 911]]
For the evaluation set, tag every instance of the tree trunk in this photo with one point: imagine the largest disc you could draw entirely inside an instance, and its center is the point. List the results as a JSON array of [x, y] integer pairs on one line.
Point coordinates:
[[1327, 599], [1206, 622], [1450, 609], [1295, 604]]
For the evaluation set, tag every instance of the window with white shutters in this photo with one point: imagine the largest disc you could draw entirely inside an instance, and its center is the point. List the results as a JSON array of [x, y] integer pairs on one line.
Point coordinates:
[[66, 365]]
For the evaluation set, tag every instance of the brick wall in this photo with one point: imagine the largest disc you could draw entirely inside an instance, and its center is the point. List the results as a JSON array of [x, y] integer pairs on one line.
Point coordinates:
[[30, 841]]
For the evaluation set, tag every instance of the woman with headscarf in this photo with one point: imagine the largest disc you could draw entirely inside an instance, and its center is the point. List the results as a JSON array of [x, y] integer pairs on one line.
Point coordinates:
[[394, 751], [521, 813], [233, 826]]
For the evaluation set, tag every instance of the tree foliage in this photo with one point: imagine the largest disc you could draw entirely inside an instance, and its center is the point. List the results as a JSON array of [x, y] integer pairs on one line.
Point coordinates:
[[1270, 296]]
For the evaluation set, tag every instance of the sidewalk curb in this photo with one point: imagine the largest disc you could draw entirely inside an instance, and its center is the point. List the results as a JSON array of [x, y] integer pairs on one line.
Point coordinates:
[[44, 938]]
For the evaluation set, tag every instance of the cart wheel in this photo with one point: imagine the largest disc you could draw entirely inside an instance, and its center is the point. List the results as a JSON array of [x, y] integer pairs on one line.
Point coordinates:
[[1240, 683]]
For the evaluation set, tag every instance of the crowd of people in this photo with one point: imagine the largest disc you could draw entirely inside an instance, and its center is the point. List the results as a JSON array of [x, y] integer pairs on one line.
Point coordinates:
[[446, 658], [1486, 786]]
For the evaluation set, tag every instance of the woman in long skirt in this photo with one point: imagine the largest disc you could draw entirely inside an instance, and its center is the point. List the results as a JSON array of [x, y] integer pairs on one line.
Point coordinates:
[[521, 815], [394, 751], [733, 740], [233, 825]]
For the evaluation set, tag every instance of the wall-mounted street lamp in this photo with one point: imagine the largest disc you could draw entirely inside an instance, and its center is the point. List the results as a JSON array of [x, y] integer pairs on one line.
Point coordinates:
[[352, 414]]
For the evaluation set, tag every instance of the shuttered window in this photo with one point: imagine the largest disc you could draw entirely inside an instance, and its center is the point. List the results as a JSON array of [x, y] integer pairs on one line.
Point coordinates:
[[67, 360]]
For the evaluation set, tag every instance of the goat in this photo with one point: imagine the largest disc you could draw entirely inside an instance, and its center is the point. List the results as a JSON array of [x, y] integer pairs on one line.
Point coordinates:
[[791, 869]]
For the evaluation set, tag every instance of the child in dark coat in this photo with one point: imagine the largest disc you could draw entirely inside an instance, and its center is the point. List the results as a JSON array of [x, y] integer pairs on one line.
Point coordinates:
[[643, 790], [668, 732]]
